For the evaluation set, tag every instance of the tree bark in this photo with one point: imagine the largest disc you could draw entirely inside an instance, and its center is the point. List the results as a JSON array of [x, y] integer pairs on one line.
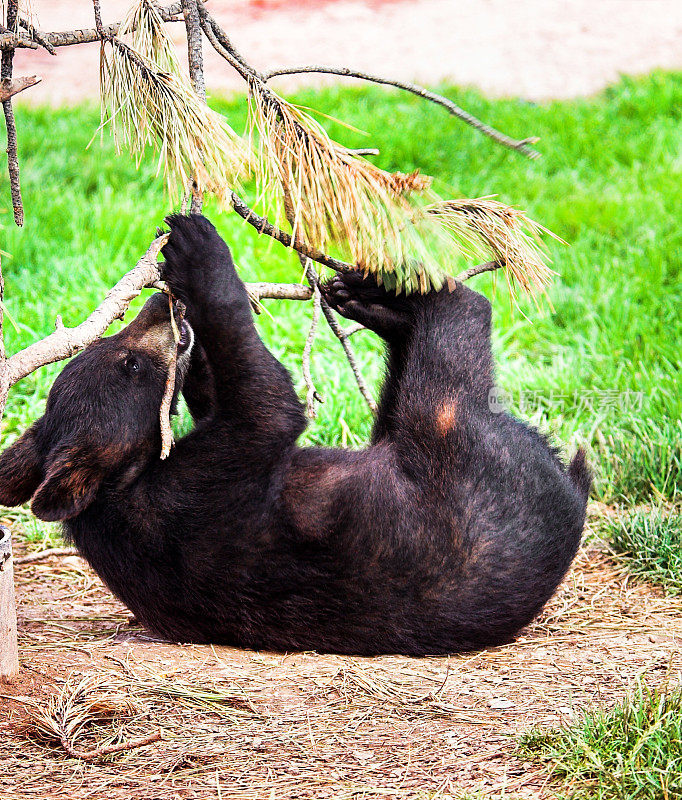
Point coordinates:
[[65, 342], [9, 653], [11, 86], [80, 36]]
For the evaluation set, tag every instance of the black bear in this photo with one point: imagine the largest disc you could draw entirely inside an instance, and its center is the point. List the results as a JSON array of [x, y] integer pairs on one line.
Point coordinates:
[[447, 533]]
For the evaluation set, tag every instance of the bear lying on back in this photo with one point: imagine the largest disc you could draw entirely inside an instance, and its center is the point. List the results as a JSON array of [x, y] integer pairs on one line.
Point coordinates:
[[449, 532]]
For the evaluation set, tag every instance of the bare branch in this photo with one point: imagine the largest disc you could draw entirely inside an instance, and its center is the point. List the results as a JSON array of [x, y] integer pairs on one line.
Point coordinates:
[[42, 555], [223, 46], [278, 291], [99, 27], [81, 35], [501, 138], [10, 41], [351, 330], [195, 55], [64, 342], [169, 391], [341, 335], [100, 752], [337, 330], [477, 269], [195, 59], [262, 225], [11, 86]]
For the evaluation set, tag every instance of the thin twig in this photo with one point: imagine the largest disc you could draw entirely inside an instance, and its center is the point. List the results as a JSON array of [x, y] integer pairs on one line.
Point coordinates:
[[12, 156], [276, 291], [263, 291], [263, 225], [477, 269], [351, 330], [312, 395], [100, 752], [497, 136], [224, 47], [41, 555], [176, 315], [338, 331]]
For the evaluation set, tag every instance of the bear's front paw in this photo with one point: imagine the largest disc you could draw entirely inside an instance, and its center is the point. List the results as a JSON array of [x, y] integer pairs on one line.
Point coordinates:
[[197, 260]]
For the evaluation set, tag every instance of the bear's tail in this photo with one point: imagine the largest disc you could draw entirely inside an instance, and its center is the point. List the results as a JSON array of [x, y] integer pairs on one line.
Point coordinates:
[[580, 473]]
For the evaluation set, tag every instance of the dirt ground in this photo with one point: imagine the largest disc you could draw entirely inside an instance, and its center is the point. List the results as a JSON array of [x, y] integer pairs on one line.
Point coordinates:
[[536, 49], [242, 724]]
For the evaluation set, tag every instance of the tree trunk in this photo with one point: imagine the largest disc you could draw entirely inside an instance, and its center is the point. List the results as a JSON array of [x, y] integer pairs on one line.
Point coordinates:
[[9, 654]]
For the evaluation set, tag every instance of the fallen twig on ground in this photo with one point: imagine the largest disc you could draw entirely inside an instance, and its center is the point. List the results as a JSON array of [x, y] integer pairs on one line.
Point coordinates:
[[42, 555]]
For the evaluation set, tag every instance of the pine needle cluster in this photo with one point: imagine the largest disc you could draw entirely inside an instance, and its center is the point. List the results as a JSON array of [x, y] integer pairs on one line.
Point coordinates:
[[390, 224]]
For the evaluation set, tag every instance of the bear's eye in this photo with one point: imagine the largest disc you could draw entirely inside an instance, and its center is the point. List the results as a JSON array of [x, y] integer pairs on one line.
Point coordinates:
[[132, 365]]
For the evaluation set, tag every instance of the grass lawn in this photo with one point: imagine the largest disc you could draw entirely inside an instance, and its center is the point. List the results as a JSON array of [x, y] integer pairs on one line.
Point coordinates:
[[598, 365], [649, 541]]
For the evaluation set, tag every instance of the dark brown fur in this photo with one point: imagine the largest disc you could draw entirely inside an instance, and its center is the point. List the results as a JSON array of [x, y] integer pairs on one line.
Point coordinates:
[[448, 532]]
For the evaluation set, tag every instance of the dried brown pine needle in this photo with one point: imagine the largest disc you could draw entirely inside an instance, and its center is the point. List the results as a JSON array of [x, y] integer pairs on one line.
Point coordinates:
[[149, 36], [390, 224], [71, 715], [169, 391], [338, 199], [150, 103], [485, 228]]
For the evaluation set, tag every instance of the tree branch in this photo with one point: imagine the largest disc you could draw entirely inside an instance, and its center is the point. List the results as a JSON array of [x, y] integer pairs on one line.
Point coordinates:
[[10, 41], [100, 752], [337, 330], [477, 269], [263, 225], [65, 342], [224, 47], [37, 36], [11, 86], [99, 26], [520, 145], [167, 399], [81, 35], [195, 56], [43, 555], [277, 291], [195, 60]]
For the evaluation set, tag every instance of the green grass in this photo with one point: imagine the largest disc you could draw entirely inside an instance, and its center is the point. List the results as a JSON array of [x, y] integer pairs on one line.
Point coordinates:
[[650, 542], [599, 366], [639, 460], [630, 752]]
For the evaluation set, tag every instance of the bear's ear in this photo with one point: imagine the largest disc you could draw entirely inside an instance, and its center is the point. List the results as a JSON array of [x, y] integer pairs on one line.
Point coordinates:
[[20, 470], [70, 485]]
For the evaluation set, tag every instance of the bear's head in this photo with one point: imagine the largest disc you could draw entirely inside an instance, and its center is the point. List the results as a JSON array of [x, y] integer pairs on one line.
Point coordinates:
[[101, 420]]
